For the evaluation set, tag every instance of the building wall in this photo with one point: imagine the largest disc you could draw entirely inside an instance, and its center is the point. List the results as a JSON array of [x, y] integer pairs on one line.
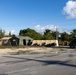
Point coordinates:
[[0, 42], [33, 41], [40, 42], [4, 40], [7, 41], [21, 38]]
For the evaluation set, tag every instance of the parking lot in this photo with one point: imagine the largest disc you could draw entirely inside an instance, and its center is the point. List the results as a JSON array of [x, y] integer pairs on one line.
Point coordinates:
[[58, 63]]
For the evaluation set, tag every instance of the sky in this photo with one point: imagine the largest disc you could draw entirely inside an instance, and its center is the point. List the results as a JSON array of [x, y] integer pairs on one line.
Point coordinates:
[[37, 14]]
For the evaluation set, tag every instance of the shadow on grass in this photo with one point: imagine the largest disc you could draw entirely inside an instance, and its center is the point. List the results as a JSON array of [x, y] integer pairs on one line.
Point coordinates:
[[45, 62]]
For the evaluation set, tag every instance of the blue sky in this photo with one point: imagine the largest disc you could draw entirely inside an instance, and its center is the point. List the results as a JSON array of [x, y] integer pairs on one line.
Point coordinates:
[[37, 14]]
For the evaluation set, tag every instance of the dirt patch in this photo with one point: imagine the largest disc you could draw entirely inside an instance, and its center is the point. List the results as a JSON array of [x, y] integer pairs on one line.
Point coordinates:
[[30, 50]]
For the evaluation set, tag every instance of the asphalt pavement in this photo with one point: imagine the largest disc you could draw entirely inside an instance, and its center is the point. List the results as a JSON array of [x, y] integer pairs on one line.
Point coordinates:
[[39, 64]]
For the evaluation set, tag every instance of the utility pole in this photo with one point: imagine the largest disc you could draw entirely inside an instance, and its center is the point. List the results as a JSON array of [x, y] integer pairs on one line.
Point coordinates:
[[56, 33], [57, 36]]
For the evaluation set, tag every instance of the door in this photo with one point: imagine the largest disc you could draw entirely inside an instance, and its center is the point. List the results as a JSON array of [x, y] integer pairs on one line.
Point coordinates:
[[24, 42]]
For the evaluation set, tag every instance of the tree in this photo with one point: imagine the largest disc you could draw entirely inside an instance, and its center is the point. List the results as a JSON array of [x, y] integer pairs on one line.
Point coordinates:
[[31, 33], [47, 31], [73, 33], [2, 33], [65, 36], [10, 34], [48, 35]]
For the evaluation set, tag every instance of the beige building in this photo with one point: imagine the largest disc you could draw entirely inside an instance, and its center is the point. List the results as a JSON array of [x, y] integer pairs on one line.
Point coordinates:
[[40, 42], [16, 41], [4, 40]]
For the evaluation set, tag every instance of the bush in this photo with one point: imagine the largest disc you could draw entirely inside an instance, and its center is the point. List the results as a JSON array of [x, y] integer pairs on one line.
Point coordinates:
[[43, 44], [36, 44], [51, 45]]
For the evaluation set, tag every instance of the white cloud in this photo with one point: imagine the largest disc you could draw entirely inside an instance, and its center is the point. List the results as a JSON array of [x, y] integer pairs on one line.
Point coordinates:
[[40, 28], [70, 9], [12, 31]]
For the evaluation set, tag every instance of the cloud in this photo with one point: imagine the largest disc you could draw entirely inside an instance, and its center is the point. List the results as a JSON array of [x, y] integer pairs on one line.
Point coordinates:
[[12, 31], [40, 28], [70, 9]]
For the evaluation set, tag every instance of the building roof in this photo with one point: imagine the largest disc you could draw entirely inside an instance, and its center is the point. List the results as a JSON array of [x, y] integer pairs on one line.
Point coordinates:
[[5, 38], [23, 37]]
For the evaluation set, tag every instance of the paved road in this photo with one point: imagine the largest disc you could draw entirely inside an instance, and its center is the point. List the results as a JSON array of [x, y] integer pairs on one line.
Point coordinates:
[[39, 64]]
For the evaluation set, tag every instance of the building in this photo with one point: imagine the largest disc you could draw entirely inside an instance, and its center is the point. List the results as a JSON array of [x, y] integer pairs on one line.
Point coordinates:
[[4, 41], [45, 42], [16, 41], [25, 41]]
